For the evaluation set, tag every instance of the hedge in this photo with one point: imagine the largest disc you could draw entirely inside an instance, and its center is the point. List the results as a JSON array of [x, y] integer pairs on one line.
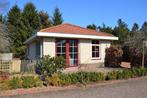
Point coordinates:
[[61, 79]]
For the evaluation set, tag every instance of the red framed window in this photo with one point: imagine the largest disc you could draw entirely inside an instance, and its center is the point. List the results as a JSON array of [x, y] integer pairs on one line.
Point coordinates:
[[95, 49], [68, 48]]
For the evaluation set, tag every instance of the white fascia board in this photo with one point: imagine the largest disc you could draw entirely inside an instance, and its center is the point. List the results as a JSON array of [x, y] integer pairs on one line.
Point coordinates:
[[49, 34], [30, 39]]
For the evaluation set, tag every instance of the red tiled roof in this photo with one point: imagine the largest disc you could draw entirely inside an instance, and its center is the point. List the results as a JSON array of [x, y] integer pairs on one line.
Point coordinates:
[[73, 29]]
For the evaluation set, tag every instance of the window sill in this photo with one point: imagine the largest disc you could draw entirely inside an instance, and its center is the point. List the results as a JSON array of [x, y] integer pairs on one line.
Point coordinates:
[[96, 58]]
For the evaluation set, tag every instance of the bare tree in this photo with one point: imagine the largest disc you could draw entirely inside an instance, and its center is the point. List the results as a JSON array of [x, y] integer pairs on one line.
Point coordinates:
[[4, 39]]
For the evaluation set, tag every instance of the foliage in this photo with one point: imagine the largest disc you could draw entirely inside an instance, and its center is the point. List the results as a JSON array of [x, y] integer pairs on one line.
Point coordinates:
[[112, 75], [144, 27], [126, 53], [16, 29], [92, 26], [61, 79], [54, 80], [113, 56], [44, 19], [125, 74], [121, 31], [30, 81], [136, 57], [134, 29], [79, 77], [15, 83], [50, 65], [106, 29], [57, 17], [4, 39], [30, 19], [24, 82], [2, 19]]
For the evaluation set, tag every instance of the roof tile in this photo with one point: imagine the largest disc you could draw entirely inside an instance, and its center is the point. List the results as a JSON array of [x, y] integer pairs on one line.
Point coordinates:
[[67, 28]]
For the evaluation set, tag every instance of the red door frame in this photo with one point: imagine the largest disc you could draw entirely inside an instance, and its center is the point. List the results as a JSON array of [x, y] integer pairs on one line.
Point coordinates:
[[67, 51]]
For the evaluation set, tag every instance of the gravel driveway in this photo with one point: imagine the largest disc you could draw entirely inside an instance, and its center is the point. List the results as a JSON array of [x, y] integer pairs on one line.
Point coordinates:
[[129, 89]]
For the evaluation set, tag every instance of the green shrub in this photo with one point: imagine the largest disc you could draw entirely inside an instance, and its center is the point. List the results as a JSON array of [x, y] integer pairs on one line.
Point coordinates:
[[96, 76], [81, 77], [24, 82], [50, 65], [137, 72], [125, 74], [54, 80], [30, 81], [67, 79], [15, 83], [112, 75]]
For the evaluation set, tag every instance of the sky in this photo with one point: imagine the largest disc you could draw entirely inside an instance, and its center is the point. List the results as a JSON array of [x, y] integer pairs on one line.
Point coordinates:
[[84, 12]]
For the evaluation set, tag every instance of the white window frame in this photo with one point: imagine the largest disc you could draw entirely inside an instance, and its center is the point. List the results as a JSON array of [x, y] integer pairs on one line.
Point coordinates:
[[92, 51]]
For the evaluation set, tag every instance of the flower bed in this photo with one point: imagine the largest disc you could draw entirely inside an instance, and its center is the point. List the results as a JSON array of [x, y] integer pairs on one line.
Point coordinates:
[[62, 79]]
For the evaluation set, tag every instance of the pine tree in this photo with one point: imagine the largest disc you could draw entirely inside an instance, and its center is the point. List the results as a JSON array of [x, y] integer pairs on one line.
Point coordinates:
[[16, 31], [57, 17], [135, 28], [92, 26], [44, 19], [30, 19], [106, 29], [121, 31], [2, 19], [144, 28]]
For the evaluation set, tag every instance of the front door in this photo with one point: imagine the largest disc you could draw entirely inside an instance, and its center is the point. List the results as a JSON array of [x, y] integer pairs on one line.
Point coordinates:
[[69, 50]]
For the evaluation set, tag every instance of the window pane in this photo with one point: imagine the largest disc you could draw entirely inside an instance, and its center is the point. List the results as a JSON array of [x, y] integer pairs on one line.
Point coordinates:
[[71, 49], [58, 49], [93, 54], [97, 54], [63, 49], [97, 48], [93, 48]]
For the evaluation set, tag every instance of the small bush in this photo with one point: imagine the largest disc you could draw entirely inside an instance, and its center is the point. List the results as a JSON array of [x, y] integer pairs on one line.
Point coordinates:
[[137, 72], [112, 75], [24, 82], [54, 80], [50, 65], [113, 56], [15, 83], [81, 77], [30, 81], [136, 57], [125, 74]]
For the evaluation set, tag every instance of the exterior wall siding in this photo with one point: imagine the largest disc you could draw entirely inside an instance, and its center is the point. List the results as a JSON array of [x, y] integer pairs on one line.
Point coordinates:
[[49, 46], [85, 51]]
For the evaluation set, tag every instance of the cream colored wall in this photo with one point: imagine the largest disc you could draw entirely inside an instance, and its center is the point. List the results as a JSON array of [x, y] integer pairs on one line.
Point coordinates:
[[16, 65], [49, 46], [85, 51]]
